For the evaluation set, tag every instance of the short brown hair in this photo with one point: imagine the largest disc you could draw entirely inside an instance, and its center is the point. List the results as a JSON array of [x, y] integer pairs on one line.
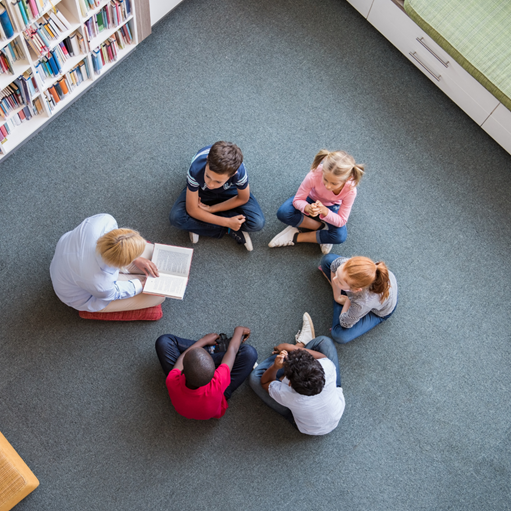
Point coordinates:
[[225, 158], [120, 247]]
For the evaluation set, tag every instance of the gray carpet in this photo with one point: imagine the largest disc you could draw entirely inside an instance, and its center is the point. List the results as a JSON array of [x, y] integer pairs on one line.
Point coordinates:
[[426, 425]]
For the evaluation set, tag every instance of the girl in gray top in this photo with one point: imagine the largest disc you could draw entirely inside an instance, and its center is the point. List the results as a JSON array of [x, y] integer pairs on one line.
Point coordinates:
[[365, 294]]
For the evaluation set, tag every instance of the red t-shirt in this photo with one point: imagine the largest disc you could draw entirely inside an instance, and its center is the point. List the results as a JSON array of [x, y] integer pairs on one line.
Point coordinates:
[[207, 402]]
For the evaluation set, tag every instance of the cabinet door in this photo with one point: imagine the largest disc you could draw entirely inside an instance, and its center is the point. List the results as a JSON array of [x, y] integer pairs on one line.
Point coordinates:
[[362, 6], [432, 60], [498, 126]]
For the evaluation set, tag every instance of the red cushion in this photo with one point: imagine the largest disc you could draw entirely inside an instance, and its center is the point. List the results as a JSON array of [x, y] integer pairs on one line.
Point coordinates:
[[150, 314]]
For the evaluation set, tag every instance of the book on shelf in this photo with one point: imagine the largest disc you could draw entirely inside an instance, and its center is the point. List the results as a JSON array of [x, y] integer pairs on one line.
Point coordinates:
[[67, 84], [10, 54], [24, 114], [39, 36], [110, 16], [88, 5], [51, 65], [173, 265], [6, 27], [23, 12]]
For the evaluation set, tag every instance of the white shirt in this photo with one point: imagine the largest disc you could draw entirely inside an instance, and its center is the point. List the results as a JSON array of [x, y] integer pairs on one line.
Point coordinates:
[[80, 277], [314, 415]]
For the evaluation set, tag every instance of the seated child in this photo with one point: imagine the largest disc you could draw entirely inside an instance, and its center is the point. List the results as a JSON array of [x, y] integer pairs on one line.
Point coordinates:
[[322, 204], [310, 394], [85, 268], [217, 198], [199, 382], [365, 294]]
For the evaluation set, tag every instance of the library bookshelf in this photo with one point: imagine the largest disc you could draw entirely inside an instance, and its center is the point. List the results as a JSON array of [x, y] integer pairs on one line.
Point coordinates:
[[57, 50]]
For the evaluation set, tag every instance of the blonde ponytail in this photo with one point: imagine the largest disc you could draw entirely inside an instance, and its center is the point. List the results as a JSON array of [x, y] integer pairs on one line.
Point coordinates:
[[319, 158]]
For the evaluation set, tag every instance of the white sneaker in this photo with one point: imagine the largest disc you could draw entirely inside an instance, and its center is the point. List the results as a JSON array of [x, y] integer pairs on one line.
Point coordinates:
[[306, 334], [241, 238], [326, 247], [284, 238], [194, 238]]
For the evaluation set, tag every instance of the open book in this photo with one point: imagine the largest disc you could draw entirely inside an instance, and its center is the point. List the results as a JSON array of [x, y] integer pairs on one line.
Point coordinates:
[[173, 265]]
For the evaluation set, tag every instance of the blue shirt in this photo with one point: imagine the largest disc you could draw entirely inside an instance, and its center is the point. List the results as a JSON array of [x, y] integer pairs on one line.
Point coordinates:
[[195, 177], [80, 277]]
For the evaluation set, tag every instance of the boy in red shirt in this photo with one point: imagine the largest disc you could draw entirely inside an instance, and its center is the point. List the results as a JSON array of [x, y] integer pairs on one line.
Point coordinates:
[[200, 382]]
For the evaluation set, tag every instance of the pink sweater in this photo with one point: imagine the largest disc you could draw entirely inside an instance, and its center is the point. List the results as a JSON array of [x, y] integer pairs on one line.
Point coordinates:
[[312, 186]]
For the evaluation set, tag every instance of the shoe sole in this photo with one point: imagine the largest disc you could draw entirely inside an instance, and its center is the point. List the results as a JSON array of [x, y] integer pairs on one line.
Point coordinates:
[[248, 242]]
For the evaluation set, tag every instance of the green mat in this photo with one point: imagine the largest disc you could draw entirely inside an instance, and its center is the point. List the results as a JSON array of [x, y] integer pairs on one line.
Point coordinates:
[[476, 33]]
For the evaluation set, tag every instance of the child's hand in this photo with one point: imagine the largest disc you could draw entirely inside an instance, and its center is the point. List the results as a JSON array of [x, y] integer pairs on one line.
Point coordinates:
[[204, 207], [279, 359], [235, 222], [322, 210], [210, 339], [311, 210], [245, 332]]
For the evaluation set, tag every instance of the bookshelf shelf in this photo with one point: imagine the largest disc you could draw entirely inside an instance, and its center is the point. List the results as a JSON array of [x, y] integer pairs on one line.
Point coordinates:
[[70, 75]]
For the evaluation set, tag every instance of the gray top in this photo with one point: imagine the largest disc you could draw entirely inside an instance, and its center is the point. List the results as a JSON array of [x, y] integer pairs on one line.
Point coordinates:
[[366, 301]]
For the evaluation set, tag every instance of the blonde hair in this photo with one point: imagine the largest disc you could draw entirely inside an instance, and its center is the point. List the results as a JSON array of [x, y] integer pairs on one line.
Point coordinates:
[[120, 247], [363, 272], [341, 164]]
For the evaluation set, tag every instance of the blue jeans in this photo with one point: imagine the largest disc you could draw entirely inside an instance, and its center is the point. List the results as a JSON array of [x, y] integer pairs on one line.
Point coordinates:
[[180, 218], [322, 344], [289, 215], [341, 334], [169, 347]]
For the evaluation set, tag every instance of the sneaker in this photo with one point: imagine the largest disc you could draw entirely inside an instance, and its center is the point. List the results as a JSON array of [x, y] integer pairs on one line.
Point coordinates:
[[306, 334], [255, 365], [326, 247], [194, 238], [284, 238], [241, 238], [222, 343]]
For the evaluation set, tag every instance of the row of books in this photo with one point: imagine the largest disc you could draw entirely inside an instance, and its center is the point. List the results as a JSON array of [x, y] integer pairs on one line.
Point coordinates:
[[25, 114], [107, 52], [10, 54], [20, 92], [110, 16], [23, 12], [39, 36], [67, 84], [51, 65], [88, 5]]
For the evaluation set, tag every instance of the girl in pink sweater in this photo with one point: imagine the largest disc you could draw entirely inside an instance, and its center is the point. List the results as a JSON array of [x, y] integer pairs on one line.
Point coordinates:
[[322, 204]]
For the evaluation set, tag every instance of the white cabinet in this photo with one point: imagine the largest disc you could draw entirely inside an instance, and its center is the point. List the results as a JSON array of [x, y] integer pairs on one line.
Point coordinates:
[[498, 126], [432, 60], [362, 6]]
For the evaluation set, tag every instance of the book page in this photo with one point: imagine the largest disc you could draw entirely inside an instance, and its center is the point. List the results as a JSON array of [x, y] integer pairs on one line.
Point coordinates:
[[167, 285], [174, 260]]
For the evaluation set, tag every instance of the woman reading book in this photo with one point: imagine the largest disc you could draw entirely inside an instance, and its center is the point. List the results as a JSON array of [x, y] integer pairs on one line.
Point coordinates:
[[98, 267]]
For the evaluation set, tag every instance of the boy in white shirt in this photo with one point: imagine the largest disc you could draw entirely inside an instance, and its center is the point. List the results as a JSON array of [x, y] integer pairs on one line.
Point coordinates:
[[303, 384]]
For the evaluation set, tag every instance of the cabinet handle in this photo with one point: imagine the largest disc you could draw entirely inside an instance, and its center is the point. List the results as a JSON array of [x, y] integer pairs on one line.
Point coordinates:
[[414, 56], [421, 40]]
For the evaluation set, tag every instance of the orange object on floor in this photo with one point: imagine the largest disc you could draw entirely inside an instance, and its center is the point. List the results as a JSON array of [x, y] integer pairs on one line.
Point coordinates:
[[16, 479], [150, 314]]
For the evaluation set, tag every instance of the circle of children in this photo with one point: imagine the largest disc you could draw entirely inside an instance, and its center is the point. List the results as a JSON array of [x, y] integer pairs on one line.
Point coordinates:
[[98, 267]]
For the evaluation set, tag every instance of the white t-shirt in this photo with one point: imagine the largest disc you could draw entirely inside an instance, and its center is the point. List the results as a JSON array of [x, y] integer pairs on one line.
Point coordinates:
[[314, 415]]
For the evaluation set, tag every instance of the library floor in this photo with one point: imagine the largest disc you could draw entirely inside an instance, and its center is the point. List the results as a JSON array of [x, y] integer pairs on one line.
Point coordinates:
[[426, 425]]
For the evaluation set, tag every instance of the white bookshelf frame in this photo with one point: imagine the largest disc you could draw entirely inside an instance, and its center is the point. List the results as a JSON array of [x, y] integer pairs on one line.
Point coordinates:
[[71, 9]]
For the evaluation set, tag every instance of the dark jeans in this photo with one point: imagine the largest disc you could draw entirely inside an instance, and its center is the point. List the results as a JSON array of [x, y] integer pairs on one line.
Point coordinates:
[[169, 347], [180, 218], [289, 215], [322, 344], [341, 334]]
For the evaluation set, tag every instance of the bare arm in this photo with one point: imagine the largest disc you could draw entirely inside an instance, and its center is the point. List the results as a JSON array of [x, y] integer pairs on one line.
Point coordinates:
[[270, 374], [241, 333], [240, 199], [291, 347], [207, 340], [194, 209]]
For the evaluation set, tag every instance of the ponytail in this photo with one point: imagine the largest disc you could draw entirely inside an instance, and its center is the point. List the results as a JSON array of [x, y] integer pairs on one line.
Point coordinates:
[[319, 158], [381, 284], [365, 273], [341, 164]]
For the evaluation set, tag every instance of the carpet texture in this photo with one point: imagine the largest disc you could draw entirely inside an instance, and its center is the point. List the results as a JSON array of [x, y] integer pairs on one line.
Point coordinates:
[[426, 425]]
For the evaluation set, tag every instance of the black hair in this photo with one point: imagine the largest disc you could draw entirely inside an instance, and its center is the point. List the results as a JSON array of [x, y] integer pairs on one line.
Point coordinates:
[[198, 368], [304, 372]]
